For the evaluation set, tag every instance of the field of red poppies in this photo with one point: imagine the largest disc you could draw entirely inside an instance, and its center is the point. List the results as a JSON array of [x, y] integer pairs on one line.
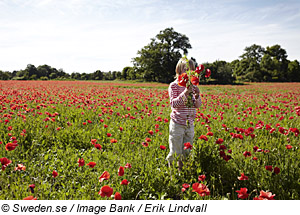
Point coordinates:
[[96, 140]]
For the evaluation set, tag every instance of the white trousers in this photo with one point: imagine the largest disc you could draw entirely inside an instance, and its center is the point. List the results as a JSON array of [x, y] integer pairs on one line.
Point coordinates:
[[178, 136]]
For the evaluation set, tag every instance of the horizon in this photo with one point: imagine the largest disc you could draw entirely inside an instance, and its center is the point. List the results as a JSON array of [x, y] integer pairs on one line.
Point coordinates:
[[84, 36]]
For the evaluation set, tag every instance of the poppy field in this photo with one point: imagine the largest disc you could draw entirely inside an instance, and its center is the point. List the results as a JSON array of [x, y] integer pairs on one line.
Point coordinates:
[[96, 140]]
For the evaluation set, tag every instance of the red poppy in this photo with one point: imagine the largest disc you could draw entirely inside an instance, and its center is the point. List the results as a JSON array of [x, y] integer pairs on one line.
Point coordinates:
[[5, 162], [201, 178], [210, 133], [80, 162], [266, 195], [185, 185], [145, 144], [54, 174], [105, 191], [269, 168], [128, 165], [150, 132], [108, 134], [203, 137], [242, 193], [20, 167], [121, 171], [187, 146], [288, 146], [201, 189], [247, 154], [105, 176], [113, 141], [243, 177], [148, 139], [162, 147], [98, 146], [118, 196], [195, 80], [31, 188], [183, 79], [91, 164], [276, 170], [10, 146], [219, 141], [93, 141], [199, 69], [30, 198], [124, 182], [207, 73]]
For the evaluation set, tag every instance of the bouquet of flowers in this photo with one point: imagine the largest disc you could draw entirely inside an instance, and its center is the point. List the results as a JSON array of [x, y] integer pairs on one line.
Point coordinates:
[[192, 77]]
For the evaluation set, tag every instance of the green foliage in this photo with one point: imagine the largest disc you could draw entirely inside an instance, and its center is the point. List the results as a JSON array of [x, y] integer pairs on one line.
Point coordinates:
[[157, 60]]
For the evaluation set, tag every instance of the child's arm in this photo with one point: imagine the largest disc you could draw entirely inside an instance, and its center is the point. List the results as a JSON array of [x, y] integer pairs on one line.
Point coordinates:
[[197, 97]]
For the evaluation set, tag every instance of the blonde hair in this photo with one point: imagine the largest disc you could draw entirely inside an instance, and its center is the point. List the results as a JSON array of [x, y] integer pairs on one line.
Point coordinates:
[[181, 65]]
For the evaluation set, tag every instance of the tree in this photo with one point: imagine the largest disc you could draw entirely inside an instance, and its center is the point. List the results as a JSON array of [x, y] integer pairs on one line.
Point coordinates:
[[293, 72], [157, 60], [222, 72], [279, 57]]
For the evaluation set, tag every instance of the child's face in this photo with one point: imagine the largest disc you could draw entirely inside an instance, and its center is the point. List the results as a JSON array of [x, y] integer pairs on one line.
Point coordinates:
[[183, 70]]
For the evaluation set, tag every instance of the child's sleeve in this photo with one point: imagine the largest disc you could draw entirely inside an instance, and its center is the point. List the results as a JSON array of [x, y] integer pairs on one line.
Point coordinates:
[[175, 99]]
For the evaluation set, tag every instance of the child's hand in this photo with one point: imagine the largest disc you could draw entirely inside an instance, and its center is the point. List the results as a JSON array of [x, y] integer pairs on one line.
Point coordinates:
[[196, 92]]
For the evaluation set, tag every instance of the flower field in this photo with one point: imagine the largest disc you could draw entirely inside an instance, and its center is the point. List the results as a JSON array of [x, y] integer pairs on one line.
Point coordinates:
[[94, 140]]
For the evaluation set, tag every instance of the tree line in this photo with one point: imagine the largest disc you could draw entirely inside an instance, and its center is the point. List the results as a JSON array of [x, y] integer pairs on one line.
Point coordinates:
[[157, 61]]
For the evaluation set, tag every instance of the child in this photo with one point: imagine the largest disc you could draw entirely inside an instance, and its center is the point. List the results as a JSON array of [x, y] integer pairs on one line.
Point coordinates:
[[180, 131]]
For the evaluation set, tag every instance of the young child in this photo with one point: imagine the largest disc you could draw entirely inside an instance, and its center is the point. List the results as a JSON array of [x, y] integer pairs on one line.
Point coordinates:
[[180, 131]]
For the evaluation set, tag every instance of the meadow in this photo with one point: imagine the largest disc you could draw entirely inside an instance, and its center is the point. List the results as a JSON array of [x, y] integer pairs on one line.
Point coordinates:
[[108, 140]]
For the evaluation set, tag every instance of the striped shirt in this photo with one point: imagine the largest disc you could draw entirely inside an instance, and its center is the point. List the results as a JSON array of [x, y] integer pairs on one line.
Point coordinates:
[[180, 112]]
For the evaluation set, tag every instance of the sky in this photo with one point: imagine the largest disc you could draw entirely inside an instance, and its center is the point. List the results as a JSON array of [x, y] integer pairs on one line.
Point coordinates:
[[89, 35]]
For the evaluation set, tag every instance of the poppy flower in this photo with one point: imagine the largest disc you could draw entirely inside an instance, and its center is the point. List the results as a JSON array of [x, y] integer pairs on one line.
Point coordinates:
[[243, 177], [150, 132], [183, 79], [242, 193], [288, 146], [187, 146], [185, 185], [148, 139], [266, 195], [195, 80], [113, 141], [108, 134], [54, 174], [219, 141], [121, 171], [207, 73], [128, 165], [80, 162], [276, 170], [91, 164], [145, 144], [203, 137], [105, 176], [93, 141], [201, 189], [124, 182], [210, 133], [5, 162], [269, 168], [162, 147], [10, 146], [98, 146], [31, 187], [106, 191], [247, 154], [30, 198], [199, 69], [201, 178], [20, 167], [118, 196]]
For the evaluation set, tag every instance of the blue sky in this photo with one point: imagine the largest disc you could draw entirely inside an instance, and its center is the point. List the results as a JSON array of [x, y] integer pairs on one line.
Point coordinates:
[[87, 35]]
